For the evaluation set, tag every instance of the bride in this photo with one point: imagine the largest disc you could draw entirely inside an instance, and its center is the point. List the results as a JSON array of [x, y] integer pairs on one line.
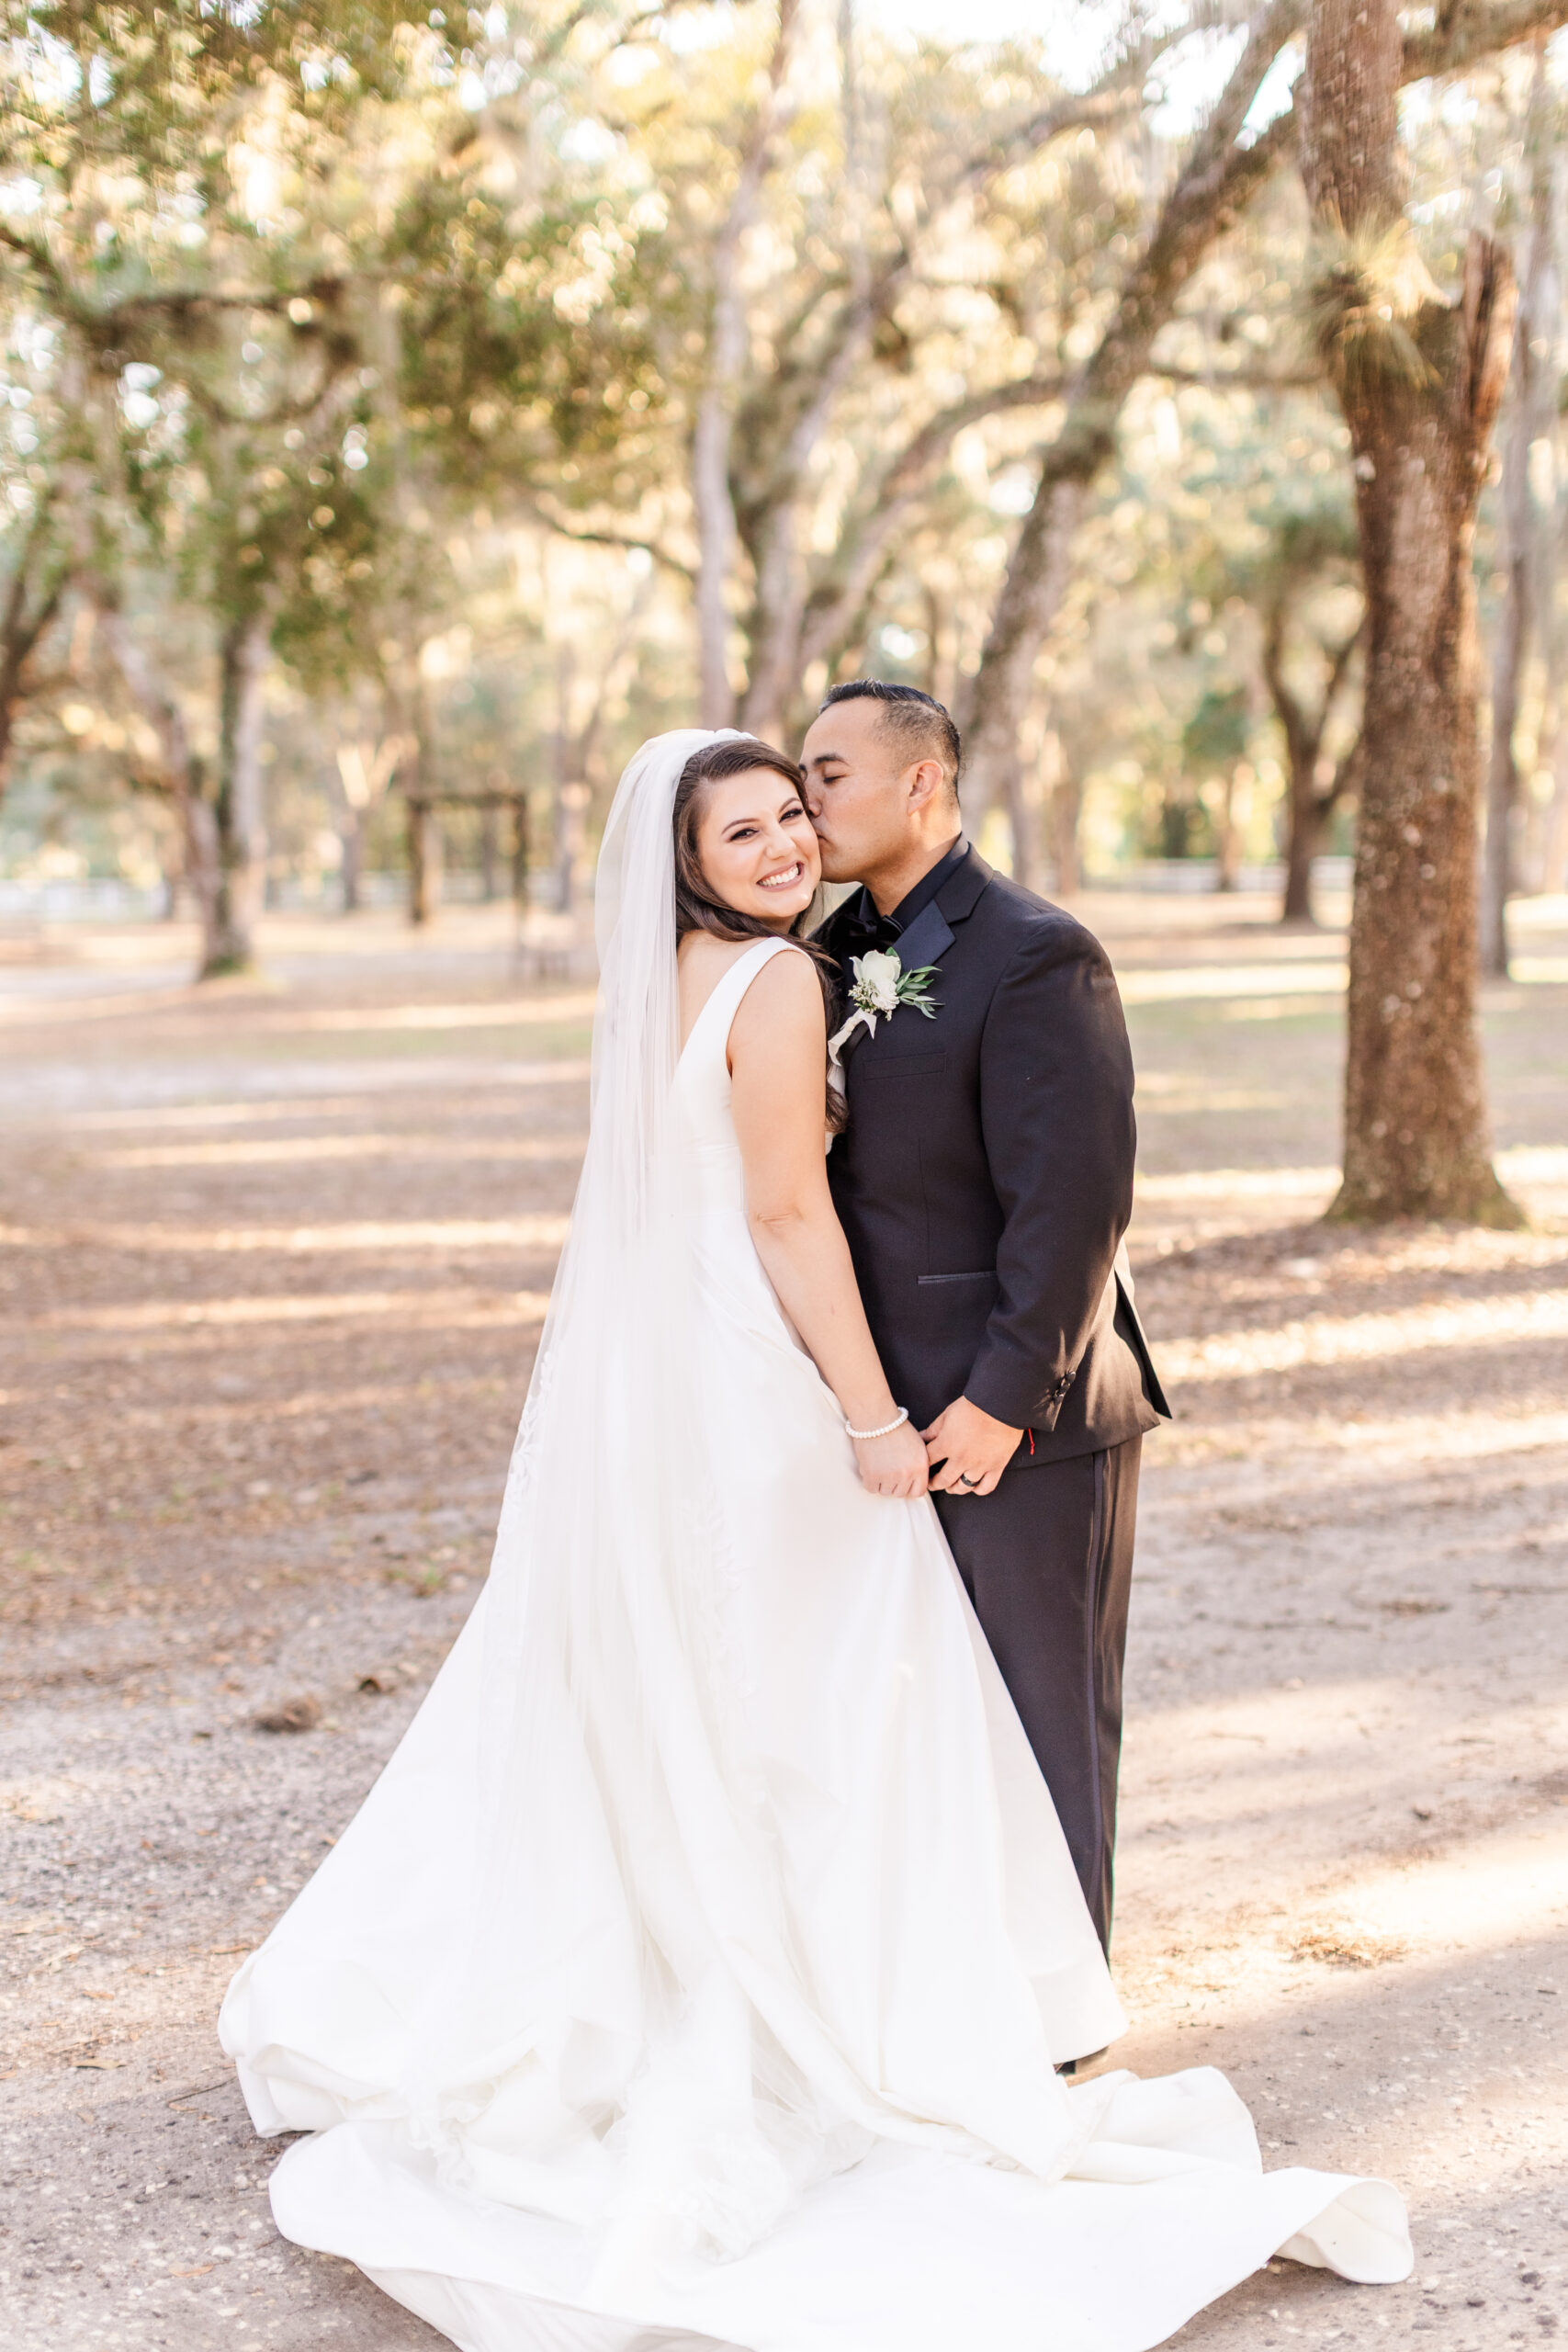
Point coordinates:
[[698, 1969]]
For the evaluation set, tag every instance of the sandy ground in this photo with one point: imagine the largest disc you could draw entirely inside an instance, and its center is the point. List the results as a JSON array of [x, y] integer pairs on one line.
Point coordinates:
[[273, 1258]]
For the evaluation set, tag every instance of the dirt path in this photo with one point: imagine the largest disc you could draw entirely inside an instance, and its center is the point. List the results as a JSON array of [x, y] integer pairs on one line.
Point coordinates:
[[271, 1266]]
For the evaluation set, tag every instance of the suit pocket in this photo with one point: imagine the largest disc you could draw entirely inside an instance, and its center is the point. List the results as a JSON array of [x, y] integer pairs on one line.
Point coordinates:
[[903, 1066], [985, 1274]]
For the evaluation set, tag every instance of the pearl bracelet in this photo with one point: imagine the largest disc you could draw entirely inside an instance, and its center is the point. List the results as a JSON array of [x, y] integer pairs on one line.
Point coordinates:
[[899, 1417]]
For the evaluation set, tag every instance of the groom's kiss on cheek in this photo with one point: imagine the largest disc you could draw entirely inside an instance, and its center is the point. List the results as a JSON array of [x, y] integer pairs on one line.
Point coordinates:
[[886, 808]]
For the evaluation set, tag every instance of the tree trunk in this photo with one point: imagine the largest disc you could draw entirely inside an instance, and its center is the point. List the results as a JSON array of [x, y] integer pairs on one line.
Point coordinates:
[[571, 842], [715, 541], [183, 773], [1310, 795], [1227, 863], [424, 863], [1419, 383], [1523, 420], [200, 831], [779, 601], [1306, 816], [520, 852], [713, 425], [365, 768], [1037, 580], [1554, 857], [413, 725], [941, 649], [10, 705], [490, 853], [1303, 745], [351, 837], [20, 633], [1066, 808], [1023, 826], [1497, 860], [238, 807]]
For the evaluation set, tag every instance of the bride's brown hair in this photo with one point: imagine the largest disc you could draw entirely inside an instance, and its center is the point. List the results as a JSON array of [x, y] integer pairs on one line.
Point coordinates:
[[697, 908]]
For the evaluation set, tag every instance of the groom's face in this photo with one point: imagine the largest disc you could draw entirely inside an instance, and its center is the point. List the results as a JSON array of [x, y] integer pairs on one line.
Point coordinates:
[[857, 789]]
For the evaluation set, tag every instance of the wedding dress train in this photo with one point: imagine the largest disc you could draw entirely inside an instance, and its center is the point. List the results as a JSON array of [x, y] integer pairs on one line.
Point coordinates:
[[695, 1972]]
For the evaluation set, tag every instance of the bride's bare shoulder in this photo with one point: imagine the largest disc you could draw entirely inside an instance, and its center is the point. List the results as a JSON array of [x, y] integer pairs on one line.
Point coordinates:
[[701, 963], [784, 1001], [703, 959]]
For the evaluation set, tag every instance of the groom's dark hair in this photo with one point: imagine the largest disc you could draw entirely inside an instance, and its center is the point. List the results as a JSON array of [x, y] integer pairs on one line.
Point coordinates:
[[921, 723]]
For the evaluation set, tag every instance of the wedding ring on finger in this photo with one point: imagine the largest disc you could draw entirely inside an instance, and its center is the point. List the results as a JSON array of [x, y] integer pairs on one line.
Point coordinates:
[[967, 1482]]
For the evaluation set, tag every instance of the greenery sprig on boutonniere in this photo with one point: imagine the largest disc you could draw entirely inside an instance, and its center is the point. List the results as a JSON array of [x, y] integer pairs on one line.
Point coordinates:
[[881, 986]]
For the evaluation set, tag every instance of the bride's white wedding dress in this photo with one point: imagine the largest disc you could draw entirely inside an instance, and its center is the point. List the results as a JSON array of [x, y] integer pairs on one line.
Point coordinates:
[[695, 1972]]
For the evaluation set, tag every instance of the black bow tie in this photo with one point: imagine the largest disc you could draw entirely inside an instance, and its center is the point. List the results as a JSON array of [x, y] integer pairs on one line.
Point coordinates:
[[863, 935]]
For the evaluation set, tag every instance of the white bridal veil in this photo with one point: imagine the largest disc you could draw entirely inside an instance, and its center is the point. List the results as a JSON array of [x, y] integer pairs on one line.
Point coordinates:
[[601, 1989]]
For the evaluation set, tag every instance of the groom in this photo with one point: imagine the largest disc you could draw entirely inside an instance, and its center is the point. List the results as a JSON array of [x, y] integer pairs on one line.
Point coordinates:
[[985, 1182]]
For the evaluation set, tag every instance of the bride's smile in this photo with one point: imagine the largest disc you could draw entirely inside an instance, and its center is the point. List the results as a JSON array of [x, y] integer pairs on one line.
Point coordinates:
[[757, 847]]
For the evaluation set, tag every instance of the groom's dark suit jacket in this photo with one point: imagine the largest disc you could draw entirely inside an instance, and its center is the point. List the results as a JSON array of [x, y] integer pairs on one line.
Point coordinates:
[[986, 1177]]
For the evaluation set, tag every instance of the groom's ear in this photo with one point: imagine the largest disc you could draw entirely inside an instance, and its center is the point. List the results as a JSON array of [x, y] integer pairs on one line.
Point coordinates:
[[925, 782]]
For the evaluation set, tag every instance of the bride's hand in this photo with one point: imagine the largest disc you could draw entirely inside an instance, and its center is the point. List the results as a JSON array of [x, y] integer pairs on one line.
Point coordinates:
[[893, 1464]]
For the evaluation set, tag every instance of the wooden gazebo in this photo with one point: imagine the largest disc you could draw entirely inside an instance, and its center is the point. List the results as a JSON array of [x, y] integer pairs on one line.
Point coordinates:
[[424, 856]]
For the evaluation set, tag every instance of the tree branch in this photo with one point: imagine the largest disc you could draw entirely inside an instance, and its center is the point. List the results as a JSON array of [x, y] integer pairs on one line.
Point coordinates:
[[1466, 32], [824, 370], [286, 411], [603, 537], [899, 484], [1219, 177], [1240, 380], [1338, 668], [1093, 109], [1301, 738], [173, 301], [38, 255], [146, 689], [1339, 664]]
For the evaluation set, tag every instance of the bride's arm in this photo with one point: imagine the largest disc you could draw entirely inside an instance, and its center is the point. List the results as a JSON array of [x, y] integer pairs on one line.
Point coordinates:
[[778, 1059]]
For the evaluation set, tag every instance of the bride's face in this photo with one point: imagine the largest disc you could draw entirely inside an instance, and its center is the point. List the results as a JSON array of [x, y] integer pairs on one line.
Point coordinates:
[[756, 846]]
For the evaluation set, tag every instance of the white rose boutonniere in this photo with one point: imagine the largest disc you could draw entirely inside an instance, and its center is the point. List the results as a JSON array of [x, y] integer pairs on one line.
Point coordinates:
[[881, 986]]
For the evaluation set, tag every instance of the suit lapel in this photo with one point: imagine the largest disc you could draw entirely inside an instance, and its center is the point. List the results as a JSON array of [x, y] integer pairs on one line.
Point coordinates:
[[961, 891], [936, 927], [927, 939]]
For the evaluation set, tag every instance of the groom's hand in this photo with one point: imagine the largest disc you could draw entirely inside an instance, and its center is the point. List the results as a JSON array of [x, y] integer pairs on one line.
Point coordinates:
[[971, 1449]]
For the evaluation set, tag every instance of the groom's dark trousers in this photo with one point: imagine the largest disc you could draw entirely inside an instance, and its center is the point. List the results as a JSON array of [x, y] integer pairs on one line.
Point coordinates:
[[1047, 1561], [985, 1182]]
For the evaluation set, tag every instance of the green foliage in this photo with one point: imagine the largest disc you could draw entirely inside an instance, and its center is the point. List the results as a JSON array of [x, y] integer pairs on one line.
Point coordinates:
[[524, 335], [349, 317], [1216, 735]]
